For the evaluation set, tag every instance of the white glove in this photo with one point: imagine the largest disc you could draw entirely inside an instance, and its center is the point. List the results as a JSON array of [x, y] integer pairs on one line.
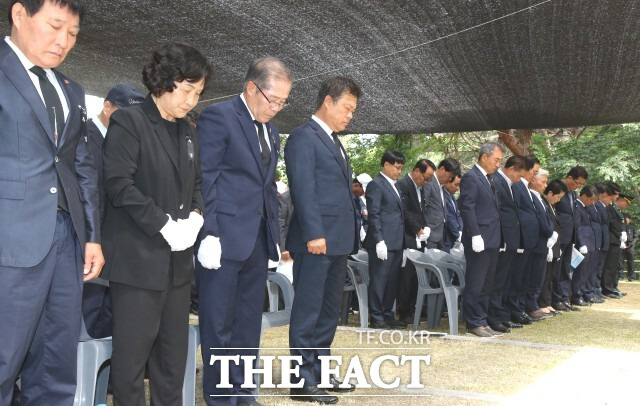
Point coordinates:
[[560, 253], [520, 250], [210, 252], [175, 235], [460, 236], [477, 243], [381, 250], [553, 237], [279, 253], [583, 250], [550, 255], [623, 237], [426, 232], [623, 245], [362, 233], [551, 242], [504, 248], [191, 227]]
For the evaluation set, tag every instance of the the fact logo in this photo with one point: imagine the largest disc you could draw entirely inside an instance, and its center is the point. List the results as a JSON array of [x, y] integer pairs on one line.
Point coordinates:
[[362, 371]]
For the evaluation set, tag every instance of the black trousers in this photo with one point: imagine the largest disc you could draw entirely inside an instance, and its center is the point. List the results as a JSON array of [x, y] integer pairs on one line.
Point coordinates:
[[479, 279], [609, 281], [545, 298], [407, 290], [562, 280], [383, 284], [150, 329], [628, 255], [498, 311]]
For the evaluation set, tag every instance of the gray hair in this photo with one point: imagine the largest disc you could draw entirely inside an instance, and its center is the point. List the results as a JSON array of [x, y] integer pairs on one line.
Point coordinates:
[[542, 172], [262, 70], [487, 149]]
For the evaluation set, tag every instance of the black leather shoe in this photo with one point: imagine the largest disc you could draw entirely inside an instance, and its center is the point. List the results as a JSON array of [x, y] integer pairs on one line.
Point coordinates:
[[380, 325], [560, 306], [603, 297], [337, 388], [396, 323], [579, 302], [613, 295], [499, 328], [313, 394], [570, 307], [521, 320], [510, 324]]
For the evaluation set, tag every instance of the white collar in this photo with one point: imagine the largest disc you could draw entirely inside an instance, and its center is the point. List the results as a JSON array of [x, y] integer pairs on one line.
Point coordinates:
[[248, 109], [481, 169], [525, 182], [393, 182], [101, 127], [506, 178], [536, 193], [322, 124], [580, 201], [23, 58]]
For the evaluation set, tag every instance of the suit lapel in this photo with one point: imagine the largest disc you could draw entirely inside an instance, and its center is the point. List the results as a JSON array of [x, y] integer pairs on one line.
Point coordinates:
[[274, 153], [72, 103], [485, 181], [390, 189], [150, 109], [15, 72], [250, 132], [333, 148]]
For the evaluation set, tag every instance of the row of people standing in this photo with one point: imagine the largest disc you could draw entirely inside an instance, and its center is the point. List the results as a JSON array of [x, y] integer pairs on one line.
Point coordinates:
[[521, 233]]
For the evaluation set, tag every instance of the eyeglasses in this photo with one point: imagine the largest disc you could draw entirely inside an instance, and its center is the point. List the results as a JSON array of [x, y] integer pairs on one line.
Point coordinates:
[[278, 105]]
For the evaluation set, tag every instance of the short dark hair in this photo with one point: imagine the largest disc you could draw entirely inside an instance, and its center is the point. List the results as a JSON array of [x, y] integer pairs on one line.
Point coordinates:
[[450, 165], [588, 190], [174, 63], [355, 180], [423, 164], [604, 188], [515, 161], [578, 172], [530, 162], [614, 187], [487, 149], [336, 87], [393, 157], [556, 187], [262, 70], [77, 7]]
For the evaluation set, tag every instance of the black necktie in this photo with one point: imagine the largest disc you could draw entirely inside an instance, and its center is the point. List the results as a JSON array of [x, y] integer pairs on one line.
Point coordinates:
[[336, 140], [493, 187], [266, 152], [51, 102]]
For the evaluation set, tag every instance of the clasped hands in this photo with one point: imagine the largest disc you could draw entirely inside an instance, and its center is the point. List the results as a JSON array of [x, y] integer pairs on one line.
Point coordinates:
[[182, 234]]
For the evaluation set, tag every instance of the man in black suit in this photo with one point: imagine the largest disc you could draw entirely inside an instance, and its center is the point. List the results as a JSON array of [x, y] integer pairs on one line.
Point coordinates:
[[96, 304], [629, 252], [385, 241], [361, 206], [434, 201], [480, 210], [411, 190], [499, 317], [324, 231], [453, 225], [529, 233], [591, 278], [49, 214], [585, 243], [565, 211], [606, 196]]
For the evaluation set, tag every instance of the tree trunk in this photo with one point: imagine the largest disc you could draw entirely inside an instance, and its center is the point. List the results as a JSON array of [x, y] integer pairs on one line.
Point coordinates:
[[518, 141]]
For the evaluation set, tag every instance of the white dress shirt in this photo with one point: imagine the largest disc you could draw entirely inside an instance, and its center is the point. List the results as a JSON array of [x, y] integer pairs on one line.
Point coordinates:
[[392, 183]]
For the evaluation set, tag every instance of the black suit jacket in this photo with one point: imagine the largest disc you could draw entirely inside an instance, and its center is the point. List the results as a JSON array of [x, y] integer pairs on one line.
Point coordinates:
[[146, 179], [527, 214], [594, 216], [616, 224], [414, 219], [285, 211], [603, 213], [509, 220], [30, 163], [566, 217], [545, 226], [480, 209], [556, 226], [584, 232], [95, 141], [386, 216]]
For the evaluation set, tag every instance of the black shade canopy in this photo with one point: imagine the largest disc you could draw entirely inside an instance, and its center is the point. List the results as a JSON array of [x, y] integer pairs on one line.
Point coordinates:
[[471, 64]]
